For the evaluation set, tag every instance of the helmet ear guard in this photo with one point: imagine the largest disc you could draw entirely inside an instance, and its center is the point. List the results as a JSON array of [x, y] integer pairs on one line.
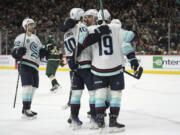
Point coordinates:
[[101, 21]]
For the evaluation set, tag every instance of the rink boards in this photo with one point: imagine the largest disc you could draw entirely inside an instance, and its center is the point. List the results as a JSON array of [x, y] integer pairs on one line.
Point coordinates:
[[153, 64]]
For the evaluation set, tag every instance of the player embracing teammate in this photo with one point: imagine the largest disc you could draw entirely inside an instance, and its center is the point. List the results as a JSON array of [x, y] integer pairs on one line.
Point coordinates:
[[77, 41], [107, 68], [107, 62]]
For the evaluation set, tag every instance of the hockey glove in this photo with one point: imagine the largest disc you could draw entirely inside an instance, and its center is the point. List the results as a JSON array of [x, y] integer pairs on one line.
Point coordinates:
[[103, 29], [21, 51], [69, 23], [134, 64], [43, 53], [72, 65], [133, 61], [18, 53]]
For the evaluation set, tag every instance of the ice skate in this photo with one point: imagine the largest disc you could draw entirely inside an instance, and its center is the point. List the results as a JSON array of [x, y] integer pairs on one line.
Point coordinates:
[[76, 123], [55, 88], [89, 114], [101, 122], [93, 122], [28, 114], [114, 126]]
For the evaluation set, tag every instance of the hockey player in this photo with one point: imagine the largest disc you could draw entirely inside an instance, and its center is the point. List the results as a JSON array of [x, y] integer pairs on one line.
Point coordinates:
[[28, 51], [107, 60], [54, 60], [79, 63], [90, 18]]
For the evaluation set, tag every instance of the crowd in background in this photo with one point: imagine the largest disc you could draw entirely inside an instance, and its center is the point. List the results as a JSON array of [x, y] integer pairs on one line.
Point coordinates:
[[154, 21]]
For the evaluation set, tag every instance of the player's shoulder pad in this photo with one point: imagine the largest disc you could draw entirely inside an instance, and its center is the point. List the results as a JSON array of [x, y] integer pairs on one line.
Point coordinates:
[[68, 34], [20, 36], [82, 25], [19, 40], [113, 25]]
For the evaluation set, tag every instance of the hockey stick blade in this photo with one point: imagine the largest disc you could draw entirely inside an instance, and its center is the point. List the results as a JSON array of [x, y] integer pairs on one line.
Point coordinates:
[[137, 74]]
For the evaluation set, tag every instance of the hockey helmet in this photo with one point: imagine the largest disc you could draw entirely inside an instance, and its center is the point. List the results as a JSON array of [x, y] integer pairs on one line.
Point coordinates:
[[107, 16], [76, 13], [92, 12], [26, 22], [50, 39], [116, 21]]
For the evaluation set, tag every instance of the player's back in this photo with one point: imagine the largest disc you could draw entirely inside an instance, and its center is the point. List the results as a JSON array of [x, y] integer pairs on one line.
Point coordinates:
[[78, 33], [107, 56]]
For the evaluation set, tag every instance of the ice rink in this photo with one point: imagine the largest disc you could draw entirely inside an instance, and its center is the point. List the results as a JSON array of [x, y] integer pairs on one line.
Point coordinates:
[[150, 106]]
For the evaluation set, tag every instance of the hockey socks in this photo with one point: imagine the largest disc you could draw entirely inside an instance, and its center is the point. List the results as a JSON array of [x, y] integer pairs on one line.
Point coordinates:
[[27, 96], [75, 102]]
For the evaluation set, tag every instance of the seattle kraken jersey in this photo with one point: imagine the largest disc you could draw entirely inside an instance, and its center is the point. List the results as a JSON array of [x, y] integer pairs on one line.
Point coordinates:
[[70, 39], [107, 55], [32, 45]]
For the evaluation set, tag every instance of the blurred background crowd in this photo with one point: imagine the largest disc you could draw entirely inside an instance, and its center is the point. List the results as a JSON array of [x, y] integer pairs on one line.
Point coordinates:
[[156, 23]]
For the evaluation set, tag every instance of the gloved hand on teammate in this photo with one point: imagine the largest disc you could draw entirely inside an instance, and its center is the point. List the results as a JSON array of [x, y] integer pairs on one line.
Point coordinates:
[[134, 64], [72, 64], [21, 52], [103, 29], [67, 24]]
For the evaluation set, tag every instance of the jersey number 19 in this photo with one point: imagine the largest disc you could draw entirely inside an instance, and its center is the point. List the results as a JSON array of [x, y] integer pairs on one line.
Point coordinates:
[[105, 46]]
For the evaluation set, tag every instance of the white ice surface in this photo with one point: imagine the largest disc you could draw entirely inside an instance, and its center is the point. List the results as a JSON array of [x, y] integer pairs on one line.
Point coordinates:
[[150, 106]]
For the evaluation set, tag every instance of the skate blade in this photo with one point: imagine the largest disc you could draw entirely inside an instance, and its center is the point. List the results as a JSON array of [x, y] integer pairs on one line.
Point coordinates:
[[93, 126], [76, 127], [88, 116], [24, 117], [116, 130], [102, 130]]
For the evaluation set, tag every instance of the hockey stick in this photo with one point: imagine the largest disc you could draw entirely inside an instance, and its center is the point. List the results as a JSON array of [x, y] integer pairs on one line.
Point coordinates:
[[15, 96], [75, 59], [102, 11], [137, 74]]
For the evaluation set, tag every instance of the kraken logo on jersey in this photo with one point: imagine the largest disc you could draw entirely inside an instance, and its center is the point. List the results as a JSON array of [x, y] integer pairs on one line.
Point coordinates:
[[34, 49]]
